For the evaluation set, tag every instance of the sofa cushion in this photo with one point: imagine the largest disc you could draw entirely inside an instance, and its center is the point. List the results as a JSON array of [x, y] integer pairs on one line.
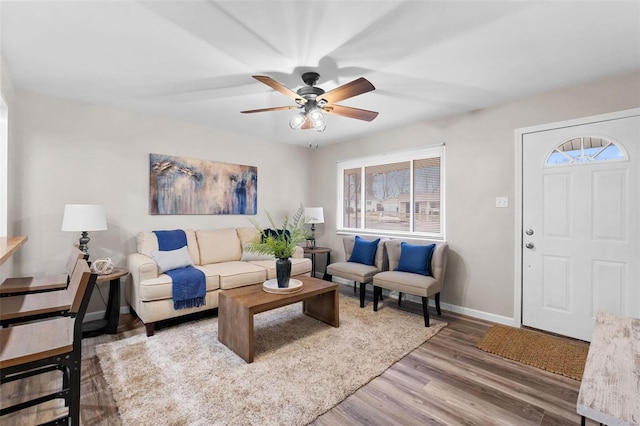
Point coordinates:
[[147, 242], [364, 251], [236, 274], [415, 258], [247, 234], [219, 245], [161, 288], [299, 266], [172, 259]]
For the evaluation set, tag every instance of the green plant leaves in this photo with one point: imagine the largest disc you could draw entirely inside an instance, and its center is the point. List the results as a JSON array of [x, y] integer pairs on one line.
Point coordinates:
[[280, 245]]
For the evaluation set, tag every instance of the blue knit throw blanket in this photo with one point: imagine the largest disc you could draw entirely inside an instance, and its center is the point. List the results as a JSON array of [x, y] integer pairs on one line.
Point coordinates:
[[189, 284]]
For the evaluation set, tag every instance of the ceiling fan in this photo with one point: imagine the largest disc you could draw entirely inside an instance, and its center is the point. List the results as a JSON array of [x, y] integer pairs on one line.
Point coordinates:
[[313, 101]]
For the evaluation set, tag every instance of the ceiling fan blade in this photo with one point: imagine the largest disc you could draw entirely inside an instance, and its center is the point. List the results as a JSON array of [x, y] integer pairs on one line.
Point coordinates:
[[349, 90], [280, 88], [280, 108], [357, 113]]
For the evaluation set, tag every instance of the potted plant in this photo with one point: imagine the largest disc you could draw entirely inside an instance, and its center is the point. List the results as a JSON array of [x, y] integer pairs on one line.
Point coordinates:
[[281, 242]]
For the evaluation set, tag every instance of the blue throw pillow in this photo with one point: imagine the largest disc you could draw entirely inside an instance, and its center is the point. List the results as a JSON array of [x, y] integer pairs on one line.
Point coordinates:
[[415, 258], [364, 251], [275, 233]]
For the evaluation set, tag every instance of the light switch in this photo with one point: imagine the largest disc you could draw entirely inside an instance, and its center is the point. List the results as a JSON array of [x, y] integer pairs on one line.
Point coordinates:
[[502, 202]]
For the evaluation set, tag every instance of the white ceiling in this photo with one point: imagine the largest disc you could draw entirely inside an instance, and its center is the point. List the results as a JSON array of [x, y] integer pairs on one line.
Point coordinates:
[[193, 60]]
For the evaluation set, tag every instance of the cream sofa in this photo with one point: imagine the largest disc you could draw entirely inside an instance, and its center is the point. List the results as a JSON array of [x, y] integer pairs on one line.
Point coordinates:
[[218, 253]]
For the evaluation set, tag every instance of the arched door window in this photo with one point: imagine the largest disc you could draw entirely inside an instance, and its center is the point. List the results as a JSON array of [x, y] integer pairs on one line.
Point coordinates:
[[585, 149]]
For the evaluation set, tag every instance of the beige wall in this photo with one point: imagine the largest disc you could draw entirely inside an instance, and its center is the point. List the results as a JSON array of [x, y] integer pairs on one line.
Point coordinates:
[[72, 152], [480, 165]]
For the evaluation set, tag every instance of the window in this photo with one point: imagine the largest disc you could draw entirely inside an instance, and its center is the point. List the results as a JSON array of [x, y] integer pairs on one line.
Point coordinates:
[[585, 149], [397, 194]]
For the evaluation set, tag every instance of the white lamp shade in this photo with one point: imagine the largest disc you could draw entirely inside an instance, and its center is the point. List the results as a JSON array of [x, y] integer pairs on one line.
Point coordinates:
[[84, 217], [314, 214]]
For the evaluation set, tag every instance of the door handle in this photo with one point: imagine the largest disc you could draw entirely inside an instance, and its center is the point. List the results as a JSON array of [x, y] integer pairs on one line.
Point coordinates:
[[529, 245]]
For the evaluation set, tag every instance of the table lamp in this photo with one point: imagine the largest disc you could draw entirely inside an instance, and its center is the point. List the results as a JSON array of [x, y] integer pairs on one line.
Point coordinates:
[[314, 215], [84, 218]]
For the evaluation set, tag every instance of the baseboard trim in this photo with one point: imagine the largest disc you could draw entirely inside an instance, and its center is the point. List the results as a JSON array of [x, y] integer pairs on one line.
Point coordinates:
[[487, 316], [98, 315]]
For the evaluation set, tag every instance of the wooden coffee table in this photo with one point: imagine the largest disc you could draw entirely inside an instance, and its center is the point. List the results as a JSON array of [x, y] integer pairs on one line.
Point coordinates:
[[238, 306]]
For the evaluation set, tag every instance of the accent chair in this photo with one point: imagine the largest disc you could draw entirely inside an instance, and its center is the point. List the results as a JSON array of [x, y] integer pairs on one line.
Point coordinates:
[[407, 276], [355, 271]]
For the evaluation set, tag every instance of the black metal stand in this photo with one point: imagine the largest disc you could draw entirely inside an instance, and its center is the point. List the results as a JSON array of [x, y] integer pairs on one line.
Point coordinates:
[[109, 324], [322, 250]]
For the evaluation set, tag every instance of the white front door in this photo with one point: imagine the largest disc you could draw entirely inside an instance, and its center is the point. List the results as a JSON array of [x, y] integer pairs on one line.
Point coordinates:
[[580, 220]]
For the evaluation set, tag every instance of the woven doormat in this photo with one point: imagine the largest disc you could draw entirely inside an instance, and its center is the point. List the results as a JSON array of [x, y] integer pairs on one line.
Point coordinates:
[[554, 354]]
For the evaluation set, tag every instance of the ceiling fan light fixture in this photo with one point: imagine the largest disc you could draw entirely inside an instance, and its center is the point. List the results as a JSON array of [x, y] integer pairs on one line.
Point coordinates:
[[317, 119], [316, 115], [297, 121], [313, 101]]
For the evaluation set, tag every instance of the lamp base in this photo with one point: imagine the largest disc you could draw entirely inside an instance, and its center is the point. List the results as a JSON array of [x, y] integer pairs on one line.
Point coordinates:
[[84, 244]]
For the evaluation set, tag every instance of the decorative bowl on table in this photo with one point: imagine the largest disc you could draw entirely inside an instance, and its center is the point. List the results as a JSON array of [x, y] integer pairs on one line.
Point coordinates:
[[271, 286]]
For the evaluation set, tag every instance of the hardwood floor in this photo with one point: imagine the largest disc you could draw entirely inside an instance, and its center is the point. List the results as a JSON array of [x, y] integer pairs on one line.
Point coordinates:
[[446, 381]]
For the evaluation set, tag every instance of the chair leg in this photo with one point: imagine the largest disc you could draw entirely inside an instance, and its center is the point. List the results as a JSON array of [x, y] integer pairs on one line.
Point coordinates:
[[354, 286], [399, 298], [438, 303], [363, 288], [74, 406], [376, 292], [425, 310]]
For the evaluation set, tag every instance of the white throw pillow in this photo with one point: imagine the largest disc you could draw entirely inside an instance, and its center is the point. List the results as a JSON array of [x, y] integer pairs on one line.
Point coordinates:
[[172, 259], [248, 256]]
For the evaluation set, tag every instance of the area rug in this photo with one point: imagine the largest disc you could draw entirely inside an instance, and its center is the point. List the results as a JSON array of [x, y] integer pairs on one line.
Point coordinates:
[[554, 354], [302, 367]]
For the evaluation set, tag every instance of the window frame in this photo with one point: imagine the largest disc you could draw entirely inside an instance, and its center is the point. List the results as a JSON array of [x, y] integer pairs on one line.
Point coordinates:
[[593, 159], [425, 152]]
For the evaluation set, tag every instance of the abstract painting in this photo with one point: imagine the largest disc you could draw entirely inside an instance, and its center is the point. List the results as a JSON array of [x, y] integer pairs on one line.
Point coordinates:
[[179, 185]]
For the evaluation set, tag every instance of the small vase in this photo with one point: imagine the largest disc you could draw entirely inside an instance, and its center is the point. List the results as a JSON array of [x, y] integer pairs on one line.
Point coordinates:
[[283, 272]]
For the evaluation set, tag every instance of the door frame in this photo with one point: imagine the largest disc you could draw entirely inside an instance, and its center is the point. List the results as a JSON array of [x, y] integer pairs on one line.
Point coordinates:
[[518, 240]]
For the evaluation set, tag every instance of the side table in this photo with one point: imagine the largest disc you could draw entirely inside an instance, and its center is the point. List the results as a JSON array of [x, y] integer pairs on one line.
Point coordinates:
[[313, 252], [109, 324]]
